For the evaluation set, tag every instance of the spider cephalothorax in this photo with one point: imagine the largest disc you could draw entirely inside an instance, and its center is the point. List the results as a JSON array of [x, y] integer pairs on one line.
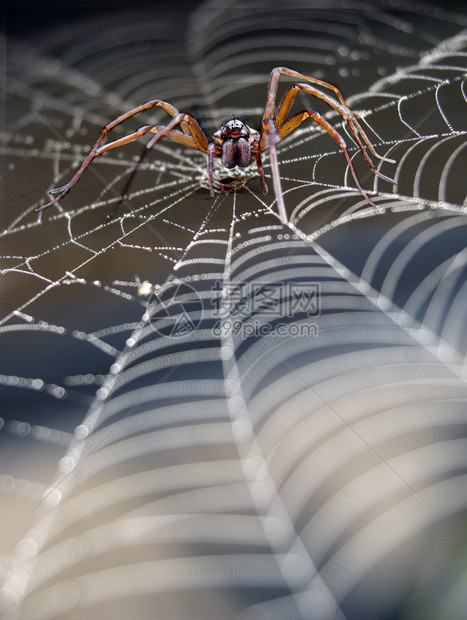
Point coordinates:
[[235, 142], [235, 139]]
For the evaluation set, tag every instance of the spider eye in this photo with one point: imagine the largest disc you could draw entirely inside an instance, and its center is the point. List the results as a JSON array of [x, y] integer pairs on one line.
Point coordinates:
[[233, 129]]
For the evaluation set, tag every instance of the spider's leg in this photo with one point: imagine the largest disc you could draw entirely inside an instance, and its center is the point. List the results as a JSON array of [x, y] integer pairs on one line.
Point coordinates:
[[340, 107], [272, 94], [124, 193], [269, 110], [272, 138], [192, 128], [177, 136], [199, 141], [92, 155], [355, 128], [257, 151], [298, 119], [194, 141], [211, 153], [345, 113]]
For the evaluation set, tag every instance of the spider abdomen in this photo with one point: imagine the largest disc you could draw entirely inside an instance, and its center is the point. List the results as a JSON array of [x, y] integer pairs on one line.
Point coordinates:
[[236, 152]]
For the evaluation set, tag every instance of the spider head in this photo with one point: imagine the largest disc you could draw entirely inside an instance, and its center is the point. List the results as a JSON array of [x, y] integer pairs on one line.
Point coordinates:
[[234, 140], [234, 129]]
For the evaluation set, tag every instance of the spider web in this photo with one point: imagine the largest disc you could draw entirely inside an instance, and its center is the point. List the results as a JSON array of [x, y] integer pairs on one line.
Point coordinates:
[[206, 412]]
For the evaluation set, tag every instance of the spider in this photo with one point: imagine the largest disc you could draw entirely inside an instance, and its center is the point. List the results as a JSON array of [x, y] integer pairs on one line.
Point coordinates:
[[235, 142]]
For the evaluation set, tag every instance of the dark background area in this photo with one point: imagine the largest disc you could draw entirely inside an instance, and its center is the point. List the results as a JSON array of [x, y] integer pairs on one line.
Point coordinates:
[[23, 17]]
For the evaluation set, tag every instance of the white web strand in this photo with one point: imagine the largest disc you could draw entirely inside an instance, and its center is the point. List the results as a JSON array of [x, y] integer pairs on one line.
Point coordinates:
[[296, 565]]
